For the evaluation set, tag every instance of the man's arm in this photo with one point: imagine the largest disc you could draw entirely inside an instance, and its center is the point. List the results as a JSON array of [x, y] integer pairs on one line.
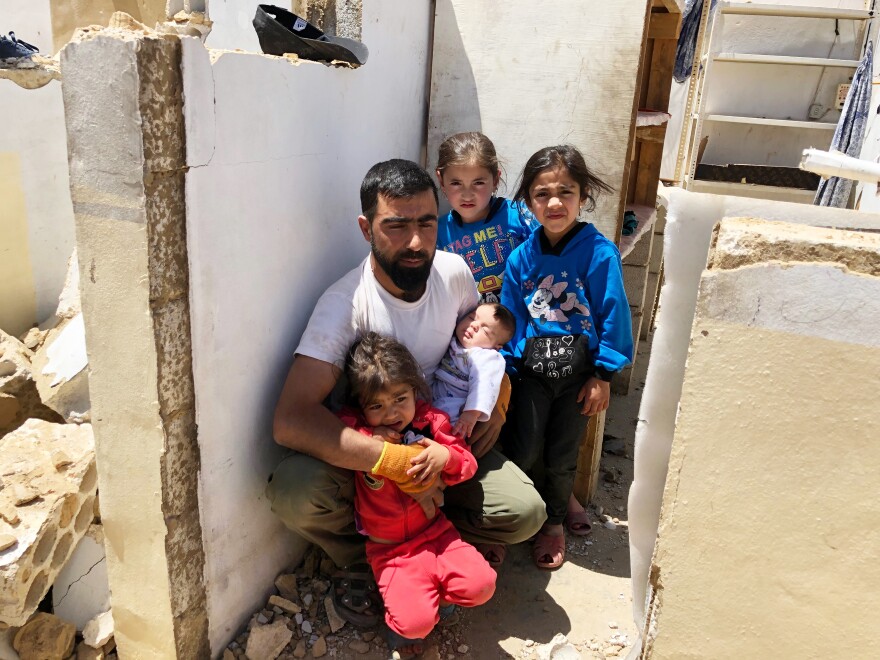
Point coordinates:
[[302, 422]]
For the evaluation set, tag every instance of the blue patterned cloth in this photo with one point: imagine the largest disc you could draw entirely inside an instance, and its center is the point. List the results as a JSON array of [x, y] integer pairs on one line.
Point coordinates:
[[850, 132]]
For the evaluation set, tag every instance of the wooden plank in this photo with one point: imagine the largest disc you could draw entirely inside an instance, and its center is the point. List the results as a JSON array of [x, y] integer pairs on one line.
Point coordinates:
[[664, 25], [648, 175], [662, 66], [586, 478], [651, 133]]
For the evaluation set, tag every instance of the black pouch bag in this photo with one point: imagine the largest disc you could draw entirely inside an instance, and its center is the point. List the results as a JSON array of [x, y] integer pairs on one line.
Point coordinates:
[[558, 357]]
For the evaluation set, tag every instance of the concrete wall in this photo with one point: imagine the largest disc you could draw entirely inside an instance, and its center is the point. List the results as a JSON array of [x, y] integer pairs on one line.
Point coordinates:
[[276, 153], [769, 522], [690, 219], [37, 220], [531, 78]]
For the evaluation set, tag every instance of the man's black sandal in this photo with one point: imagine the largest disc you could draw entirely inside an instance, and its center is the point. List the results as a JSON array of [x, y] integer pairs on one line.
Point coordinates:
[[356, 596]]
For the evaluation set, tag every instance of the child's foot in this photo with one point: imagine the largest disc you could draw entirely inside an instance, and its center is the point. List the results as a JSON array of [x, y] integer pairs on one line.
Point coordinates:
[[548, 550], [577, 521], [449, 615], [401, 647]]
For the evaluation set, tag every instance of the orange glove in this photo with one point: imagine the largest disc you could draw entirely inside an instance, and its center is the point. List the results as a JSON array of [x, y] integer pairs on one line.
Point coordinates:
[[393, 463]]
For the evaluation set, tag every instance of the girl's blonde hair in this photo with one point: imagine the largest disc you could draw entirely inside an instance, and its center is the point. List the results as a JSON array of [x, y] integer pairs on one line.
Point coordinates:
[[376, 362], [472, 148]]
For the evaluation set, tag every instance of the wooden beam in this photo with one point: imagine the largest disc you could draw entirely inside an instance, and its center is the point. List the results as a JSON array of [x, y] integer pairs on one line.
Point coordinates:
[[586, 478], [664, 25], [651, 133], [648, 175], [660, 82]]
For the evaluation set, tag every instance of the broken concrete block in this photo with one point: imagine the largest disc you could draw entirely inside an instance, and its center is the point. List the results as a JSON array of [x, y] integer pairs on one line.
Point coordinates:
[[286, 585], [267, 642], [86, 652], [775, 456], [81, 591], [34, 338], [69, 301], [49, 524], [44, 637], [99, 630], [19, 397], [60, 372]]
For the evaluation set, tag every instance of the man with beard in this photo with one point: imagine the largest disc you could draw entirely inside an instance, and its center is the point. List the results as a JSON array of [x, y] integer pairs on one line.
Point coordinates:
[[407, 290]]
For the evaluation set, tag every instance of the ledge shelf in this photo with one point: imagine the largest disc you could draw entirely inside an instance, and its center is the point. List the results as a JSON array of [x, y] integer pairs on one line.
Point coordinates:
[[793, 11], [646, 216], [750, 58], [764, 121]]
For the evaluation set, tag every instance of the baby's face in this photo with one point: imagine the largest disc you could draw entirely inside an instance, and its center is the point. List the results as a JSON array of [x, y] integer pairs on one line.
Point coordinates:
[[480, 329]]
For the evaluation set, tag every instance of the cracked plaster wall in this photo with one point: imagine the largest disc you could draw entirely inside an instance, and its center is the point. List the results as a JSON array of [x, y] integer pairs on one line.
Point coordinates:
[[769, 517], [276, 153], [690, 219]]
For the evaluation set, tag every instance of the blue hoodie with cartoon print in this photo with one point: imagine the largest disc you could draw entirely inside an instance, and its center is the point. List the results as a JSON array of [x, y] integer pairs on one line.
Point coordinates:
[[572, 288]]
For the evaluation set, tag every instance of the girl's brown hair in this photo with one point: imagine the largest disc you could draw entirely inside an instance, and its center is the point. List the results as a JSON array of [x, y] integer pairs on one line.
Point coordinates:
[[570, 158], [376, 362], [470, 148]]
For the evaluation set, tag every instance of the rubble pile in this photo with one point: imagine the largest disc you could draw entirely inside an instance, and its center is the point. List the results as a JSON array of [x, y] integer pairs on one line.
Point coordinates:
[[48, 493], [300, 621]]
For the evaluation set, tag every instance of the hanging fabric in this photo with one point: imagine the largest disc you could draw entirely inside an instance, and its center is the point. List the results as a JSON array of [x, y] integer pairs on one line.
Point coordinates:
[[850, 132]]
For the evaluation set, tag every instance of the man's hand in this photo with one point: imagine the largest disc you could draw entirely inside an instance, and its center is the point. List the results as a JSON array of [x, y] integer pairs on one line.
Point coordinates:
[[595, 394], [485, 434], [430, 463], [465, 424], [431, 498]]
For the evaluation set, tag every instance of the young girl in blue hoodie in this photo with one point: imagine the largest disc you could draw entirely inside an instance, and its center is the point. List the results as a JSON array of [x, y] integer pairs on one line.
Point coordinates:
[[564, 285]]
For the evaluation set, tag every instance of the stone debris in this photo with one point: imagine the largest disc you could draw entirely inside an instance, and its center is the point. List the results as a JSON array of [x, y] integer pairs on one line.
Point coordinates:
[[69, 301], [359, 646], [44, 637], [19, 396], [60, 372], [319, 648], [284, 605], [50, 524], [335, 622], [267, 642], [86, 652], [286, 585], [99, 630], [34, 338], [559, 648]]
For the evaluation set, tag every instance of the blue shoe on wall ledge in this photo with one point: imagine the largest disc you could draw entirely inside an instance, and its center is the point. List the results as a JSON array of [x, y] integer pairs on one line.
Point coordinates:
[[12, 48]]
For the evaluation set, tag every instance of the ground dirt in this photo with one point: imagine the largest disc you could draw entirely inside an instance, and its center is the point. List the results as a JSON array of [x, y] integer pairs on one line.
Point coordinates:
[[588, 599]]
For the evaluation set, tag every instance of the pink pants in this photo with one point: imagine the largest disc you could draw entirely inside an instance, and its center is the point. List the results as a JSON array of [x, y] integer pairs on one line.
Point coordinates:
[[414, 576]]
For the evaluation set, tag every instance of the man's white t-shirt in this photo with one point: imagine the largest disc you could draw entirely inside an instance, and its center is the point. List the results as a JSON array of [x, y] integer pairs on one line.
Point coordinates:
[[357, 304]]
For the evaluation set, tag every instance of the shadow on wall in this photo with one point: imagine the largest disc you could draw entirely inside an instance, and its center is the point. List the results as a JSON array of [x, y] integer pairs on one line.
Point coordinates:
[[453, 106]]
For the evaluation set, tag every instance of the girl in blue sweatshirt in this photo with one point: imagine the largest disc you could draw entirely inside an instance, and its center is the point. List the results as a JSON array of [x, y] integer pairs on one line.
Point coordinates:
[[564, 285]]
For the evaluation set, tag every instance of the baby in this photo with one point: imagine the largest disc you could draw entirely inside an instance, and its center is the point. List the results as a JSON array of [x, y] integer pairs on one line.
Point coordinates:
[[467, 382]]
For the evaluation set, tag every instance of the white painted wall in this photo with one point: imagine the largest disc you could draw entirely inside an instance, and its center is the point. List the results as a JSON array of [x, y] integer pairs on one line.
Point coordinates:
[[232, 24], [33, 127], [690, 219], [775, 91], [530, 78], [277, 153]]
